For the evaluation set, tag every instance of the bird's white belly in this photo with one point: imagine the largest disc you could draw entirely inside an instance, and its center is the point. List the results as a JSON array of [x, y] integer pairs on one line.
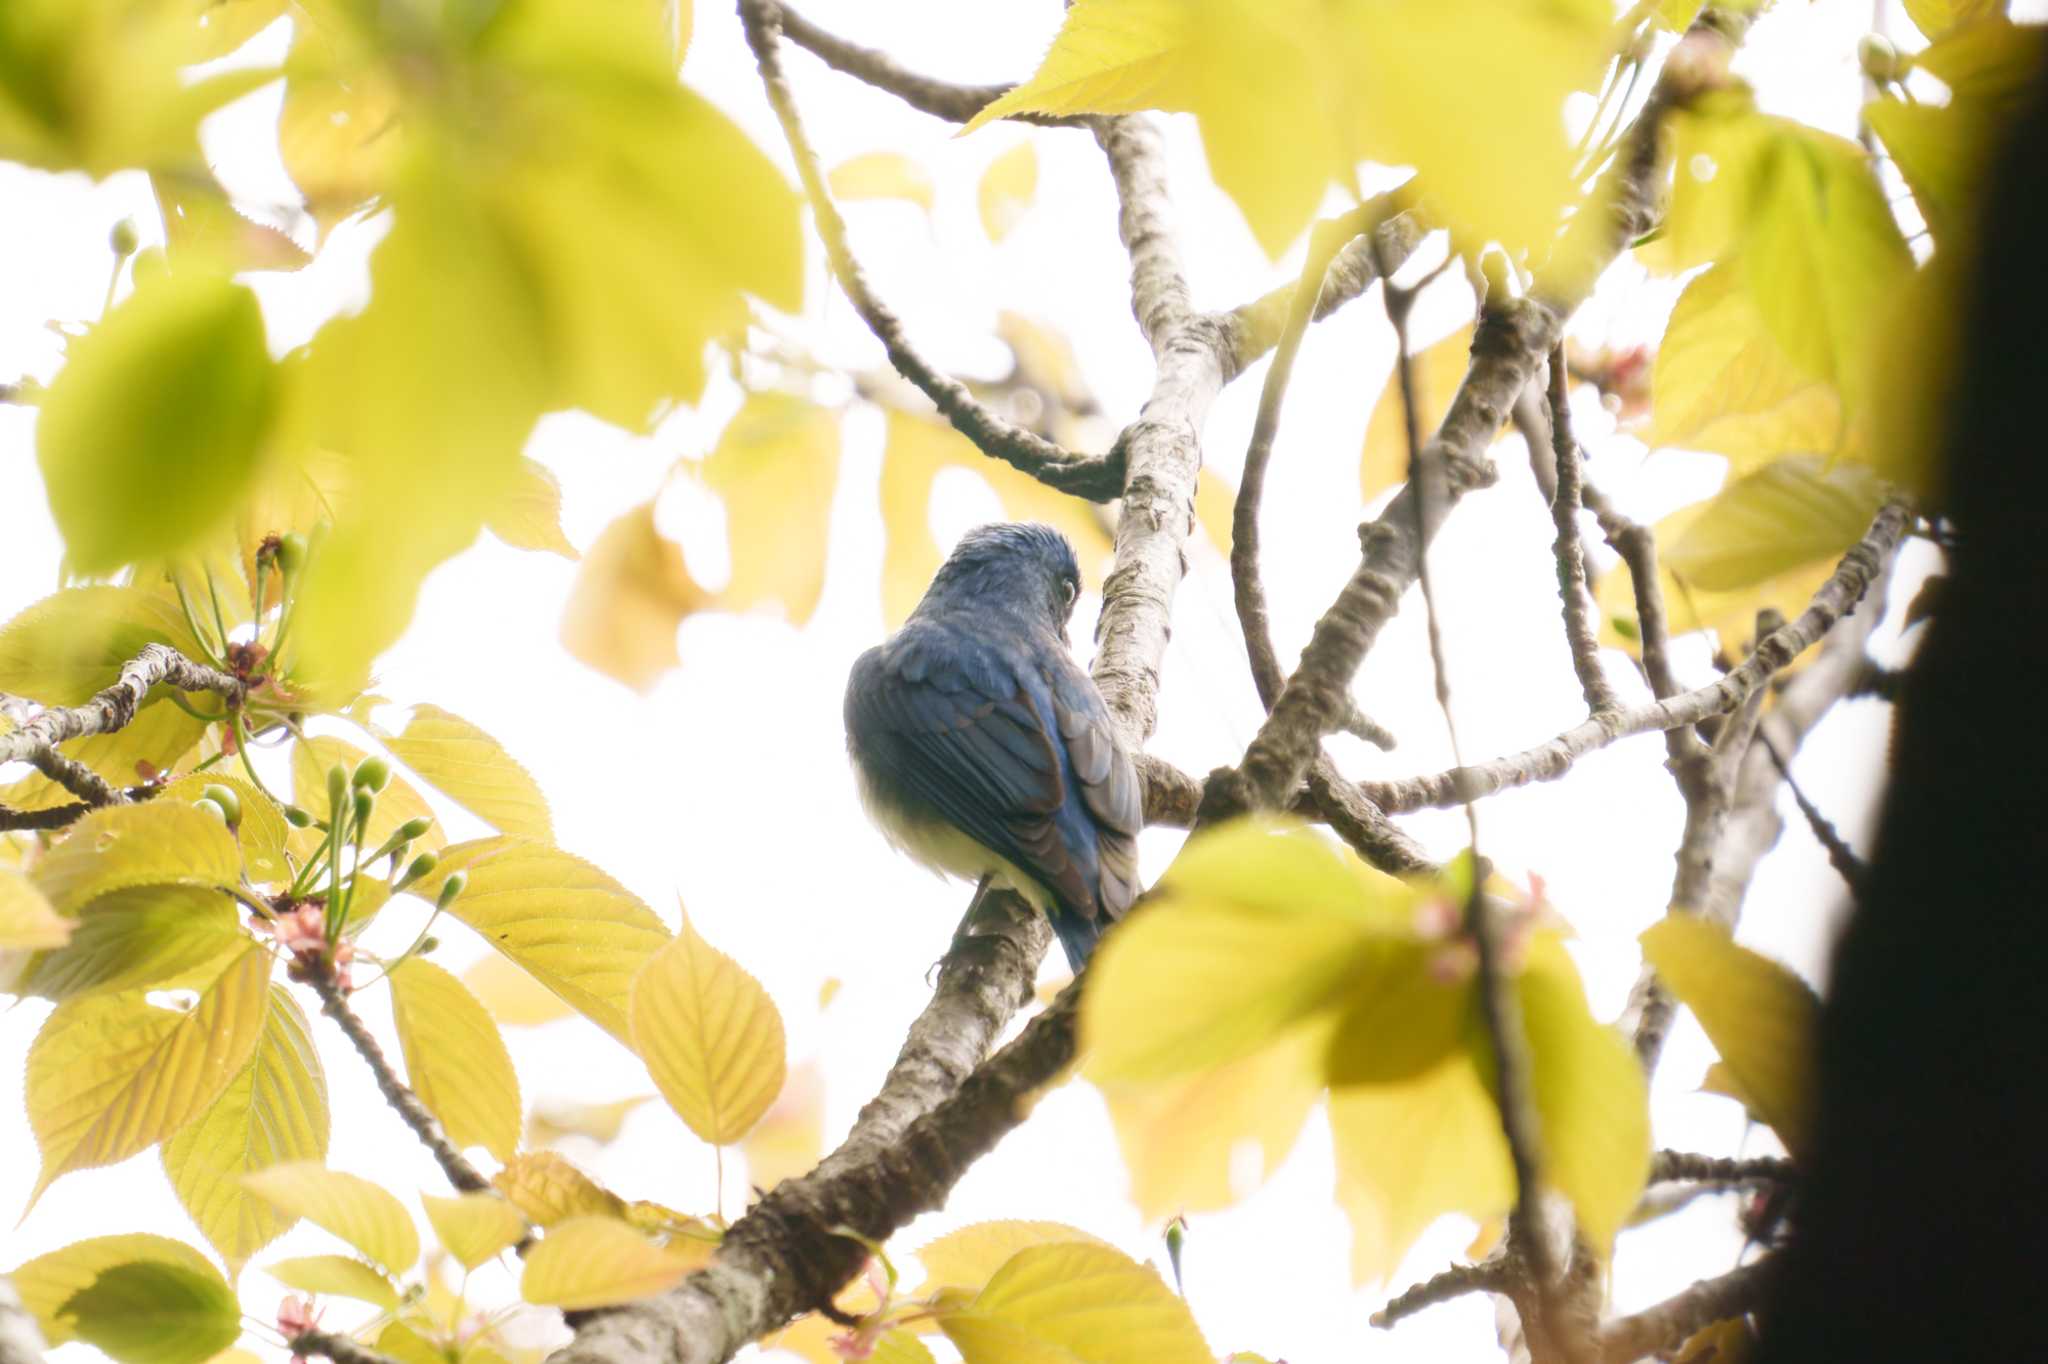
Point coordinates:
[[940, 847]]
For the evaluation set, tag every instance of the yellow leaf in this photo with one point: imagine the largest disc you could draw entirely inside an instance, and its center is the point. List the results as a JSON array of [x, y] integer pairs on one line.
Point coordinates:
[[110, 1075], [474, 1227], [275, 1110], [1936, 18], [400, 1342], [1111, 57], [1007, 189], [529, 515], [1407, 1153], [203, 230], [1717, 147], [1215, 509], [1182, 1139], [50, 1280], [1725, 1342], [1437, 371], [1731, 615], [1045, 359], [262, 832], [1081, 1302], [339, 1275], [775, 466], [590, 1262], [1722, 384], [1258, 925], [631, 593], [790, 1136], [963, 1261], [882, 175], [599, 1122], [140, 937], [72, 643], [1785, 515], [711, 1037], [1759, 1015], [471, 767], [548, 1189], [397, 803], [350, 1206], [339, 129], [454, 1058], [26, 920], [153, 844], [514, 998], [566, 923]]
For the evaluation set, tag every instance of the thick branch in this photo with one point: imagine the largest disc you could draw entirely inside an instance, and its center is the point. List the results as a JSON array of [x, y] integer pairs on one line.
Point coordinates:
[[1671, 1322], [1487, 1276], [338, 1348], [35, 740]]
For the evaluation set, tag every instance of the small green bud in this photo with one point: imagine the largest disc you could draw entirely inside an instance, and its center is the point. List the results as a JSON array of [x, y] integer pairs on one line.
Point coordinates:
[[421, 866], [451, 888], [1880, 60], [211, 808], [122, 238], [428, 944], [226, 799], [298, 818], [365, 802], [291, 552], [372, 773], [416, 826], [337, 786]]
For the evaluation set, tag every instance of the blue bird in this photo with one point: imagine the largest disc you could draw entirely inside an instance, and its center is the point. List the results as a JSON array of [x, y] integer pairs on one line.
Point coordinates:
[[982, 749]]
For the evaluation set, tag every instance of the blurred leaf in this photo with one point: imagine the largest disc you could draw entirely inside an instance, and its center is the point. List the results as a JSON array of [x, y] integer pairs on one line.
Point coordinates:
[[1438, 370], [150, 1312], [472, 768], [881, 175], [400, 1342], [964, 1260], [572, 927], [1045, 359], [154, 427], [397, 803], [1731, 615], [111, 1075], [711, 1037], [548, 1189], [1938, 17], [1215, 509], [1725, 1342], [1760, 1016], [1785, 515], [601, 1123], [47, 1282], [454, 1059], [339, 1275], [514, 997], [631, 593], [27, 923], [350, 1206], [775, 467], [590, 1262], [73, 643], [204, 230], [134, 938], [1677, 15], [1007, 188], [790, 1137], [275, 1110], [474, 1227], [339, 130], [1718, 143], [529, 515], [1081, 1302]]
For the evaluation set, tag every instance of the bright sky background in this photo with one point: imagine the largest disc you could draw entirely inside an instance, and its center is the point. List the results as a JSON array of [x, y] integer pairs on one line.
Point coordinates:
[[727, 787]]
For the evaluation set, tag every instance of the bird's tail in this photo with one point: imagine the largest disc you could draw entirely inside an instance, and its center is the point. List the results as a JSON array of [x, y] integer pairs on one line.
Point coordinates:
[[1078, 934]]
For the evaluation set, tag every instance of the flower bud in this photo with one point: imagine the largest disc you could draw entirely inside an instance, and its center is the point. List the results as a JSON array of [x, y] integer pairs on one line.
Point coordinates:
[[226, 799], [372, 773], [451, 888]]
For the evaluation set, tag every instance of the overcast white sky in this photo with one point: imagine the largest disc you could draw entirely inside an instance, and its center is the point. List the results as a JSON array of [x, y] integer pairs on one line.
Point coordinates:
[[727, 787]]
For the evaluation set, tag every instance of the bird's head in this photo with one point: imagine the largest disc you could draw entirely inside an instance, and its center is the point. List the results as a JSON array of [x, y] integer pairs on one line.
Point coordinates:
[[1018, 566]]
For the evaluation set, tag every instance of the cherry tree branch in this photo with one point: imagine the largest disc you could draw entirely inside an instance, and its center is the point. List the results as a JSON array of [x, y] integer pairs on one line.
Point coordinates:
[[1671, 1322], [941, 99], [338, 1348], [1570, 554], [1484, 1276], [1668, 1167]]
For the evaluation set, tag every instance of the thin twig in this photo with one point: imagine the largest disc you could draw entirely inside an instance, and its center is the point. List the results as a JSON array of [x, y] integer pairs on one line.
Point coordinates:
[[1671, 1322], [1673, 1166], [941, 99], [1257, 326], [1852, 869], [114, 707], [338, 1348], [1486, 1276], [1571, 558]]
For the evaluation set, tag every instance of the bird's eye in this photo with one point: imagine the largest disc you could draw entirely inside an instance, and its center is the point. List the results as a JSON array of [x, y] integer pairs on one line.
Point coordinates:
[[1070, 588]]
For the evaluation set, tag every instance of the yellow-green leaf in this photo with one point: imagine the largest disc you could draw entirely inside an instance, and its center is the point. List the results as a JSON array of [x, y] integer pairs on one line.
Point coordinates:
[[110, 1075], [548, 1189], [339, 1275], [1718, 143], [790, 1137], [1409, 1152], [275, 1110], [590, 1262], [711, 1037], [72, 643], [1938, 17], [601, 1123], [566, 923], [48, 1281], [473, 769], [1007, 189], [881, 175], [134, 938], [529, 513], [474, 1227], [1786, 514], [513, 997], [1081, 1302], [454, 1058], [1731, 615], [1437, 371], [150, 1312], [338, 130], [154, 426], [775, 467], [1759, 1015], [631, 593], [359, 1212], [1110, 57], [157, 843], [27, 922], [963, 1261], [262, 832], [397, 803]]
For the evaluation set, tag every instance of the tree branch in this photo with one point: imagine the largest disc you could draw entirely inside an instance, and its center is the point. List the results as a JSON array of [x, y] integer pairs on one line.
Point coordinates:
[[1486, 1276], [36, 737], [338, 1348], [1671, 1322], [1256, 327], [1571, 558], [1668, 1167], [941, 99]]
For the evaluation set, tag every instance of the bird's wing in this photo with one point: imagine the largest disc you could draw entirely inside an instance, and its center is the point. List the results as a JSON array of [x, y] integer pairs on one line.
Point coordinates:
[[1108, 782], [958, 727]]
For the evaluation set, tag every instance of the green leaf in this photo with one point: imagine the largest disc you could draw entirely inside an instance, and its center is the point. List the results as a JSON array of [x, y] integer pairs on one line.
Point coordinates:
[[72, 643], [473, 769], [1718, 145], [569, 925], [711, 1037], [1788, 513], [137, 937], [1936, 18], [275, 1110], [454, 1058], [1760, 1016], [157, 843], [262, 832], [775, 466], [49, 1281], [529, 515], [27, 922], [474, 1227], [964, 1260], [340, 1275], [350, 1206], [149, 1312], [111, 1075], [1082, 1302], [589, 1262], [153, 429]]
